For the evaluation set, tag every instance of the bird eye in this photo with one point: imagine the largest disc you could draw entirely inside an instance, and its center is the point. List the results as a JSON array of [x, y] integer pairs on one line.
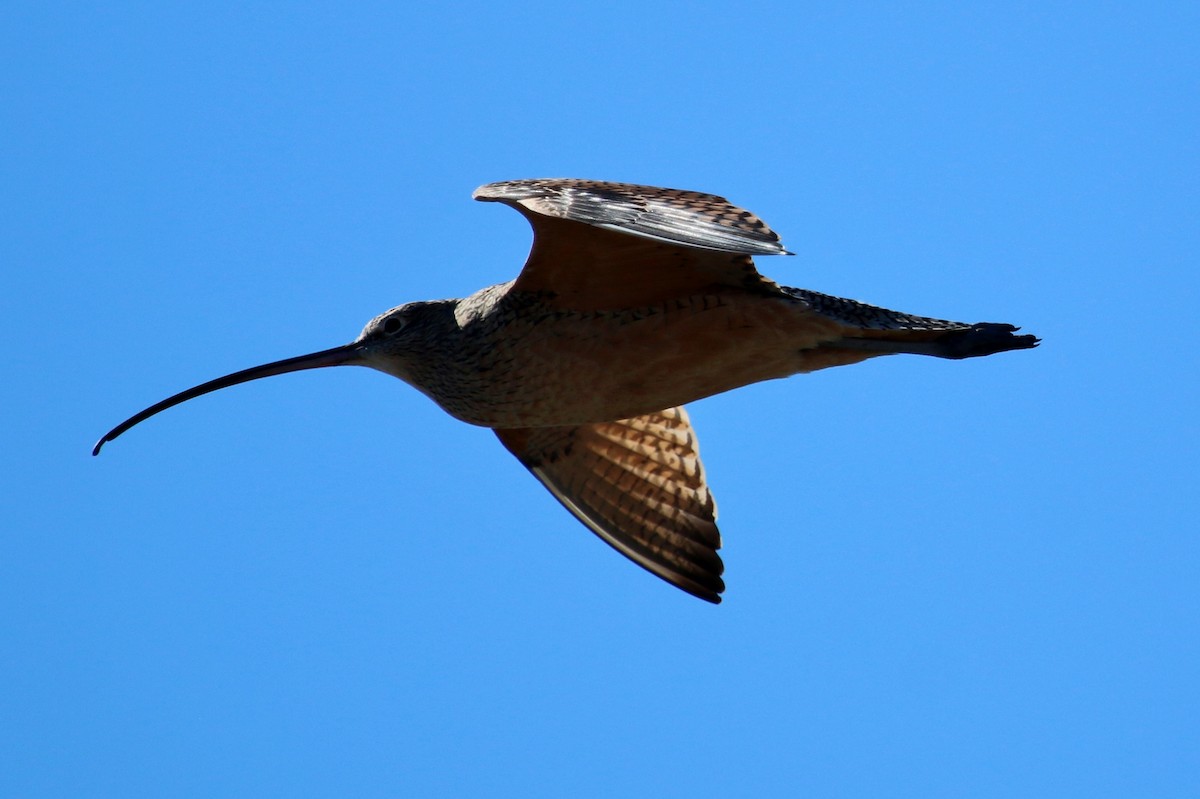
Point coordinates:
[[392, 324]]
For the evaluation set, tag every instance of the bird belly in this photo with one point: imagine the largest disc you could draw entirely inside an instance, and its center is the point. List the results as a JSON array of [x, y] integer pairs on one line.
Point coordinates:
[[567, 368]]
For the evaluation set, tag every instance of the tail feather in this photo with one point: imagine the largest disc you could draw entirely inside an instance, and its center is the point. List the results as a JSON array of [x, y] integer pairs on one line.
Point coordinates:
[[971, 341], [881, 331]]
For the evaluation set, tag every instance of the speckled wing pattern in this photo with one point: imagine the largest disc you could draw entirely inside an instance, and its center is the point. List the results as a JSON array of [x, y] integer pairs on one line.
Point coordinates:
[[676, 216], [639, 485], [599, 245]]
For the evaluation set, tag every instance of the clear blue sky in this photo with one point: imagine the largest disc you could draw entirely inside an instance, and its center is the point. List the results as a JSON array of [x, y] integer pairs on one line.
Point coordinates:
[[946, 579]]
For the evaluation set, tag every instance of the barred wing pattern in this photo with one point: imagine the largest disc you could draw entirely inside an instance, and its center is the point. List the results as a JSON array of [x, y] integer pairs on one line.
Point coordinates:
[[685, 218], [639, 485], [601, 246]]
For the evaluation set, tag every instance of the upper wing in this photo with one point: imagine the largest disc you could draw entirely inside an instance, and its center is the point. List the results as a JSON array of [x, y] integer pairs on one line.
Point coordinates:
[[685, 218], [600, 245], [639, 485]]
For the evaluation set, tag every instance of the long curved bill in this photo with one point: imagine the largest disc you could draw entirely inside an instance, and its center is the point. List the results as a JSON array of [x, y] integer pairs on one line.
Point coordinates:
[[346, 355]]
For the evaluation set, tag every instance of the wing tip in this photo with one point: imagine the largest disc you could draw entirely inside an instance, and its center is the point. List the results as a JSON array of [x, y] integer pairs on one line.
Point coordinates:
[[712, 596], [481, 194], [511, 190]]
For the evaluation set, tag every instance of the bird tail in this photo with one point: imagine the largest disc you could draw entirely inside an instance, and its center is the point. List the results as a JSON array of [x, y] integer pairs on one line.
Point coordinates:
[[879, 331], [970, 341]]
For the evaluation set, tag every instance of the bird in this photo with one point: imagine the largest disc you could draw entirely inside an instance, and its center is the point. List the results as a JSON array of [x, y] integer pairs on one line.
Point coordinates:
[[633, 302]]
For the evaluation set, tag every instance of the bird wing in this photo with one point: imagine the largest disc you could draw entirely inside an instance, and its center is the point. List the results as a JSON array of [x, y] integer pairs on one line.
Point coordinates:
[[638, 484], [600, 245]]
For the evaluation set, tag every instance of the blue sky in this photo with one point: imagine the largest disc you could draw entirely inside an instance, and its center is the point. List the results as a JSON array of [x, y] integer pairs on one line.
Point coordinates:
[[945, 578]]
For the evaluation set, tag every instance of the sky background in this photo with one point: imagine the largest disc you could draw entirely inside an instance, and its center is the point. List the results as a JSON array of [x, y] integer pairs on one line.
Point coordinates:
[[946, 579]]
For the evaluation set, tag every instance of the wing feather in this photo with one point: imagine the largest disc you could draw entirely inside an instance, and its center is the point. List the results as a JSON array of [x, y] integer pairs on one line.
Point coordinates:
[[677, 216], [600, 246], [639, 485]]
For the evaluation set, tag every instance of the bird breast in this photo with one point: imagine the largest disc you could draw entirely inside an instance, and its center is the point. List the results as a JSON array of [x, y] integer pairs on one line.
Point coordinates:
[[521, 361]]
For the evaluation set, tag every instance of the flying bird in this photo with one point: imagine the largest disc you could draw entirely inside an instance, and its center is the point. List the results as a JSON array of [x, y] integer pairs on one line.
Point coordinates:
[[634, 301]]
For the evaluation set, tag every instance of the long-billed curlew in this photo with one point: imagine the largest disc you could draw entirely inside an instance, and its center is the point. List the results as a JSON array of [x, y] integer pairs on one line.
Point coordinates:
[[634, 301]]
